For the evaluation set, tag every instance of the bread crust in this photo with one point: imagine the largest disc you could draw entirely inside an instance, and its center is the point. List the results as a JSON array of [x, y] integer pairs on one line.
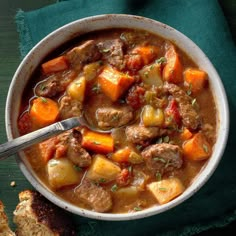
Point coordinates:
[[4, 227], [36, 213]]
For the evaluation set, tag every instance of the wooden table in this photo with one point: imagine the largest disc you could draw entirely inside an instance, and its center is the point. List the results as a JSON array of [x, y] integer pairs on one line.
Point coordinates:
[[9, 60]]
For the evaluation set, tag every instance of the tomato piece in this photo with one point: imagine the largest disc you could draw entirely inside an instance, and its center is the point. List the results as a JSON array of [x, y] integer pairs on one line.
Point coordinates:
[[173, 112], [123, 179], [25, 124], [135, 97]]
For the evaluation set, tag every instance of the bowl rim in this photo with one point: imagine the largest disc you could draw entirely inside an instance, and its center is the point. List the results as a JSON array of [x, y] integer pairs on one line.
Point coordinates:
[[202, 179]]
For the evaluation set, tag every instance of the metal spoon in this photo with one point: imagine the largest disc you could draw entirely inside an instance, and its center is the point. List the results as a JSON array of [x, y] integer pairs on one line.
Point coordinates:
[[11, 147]]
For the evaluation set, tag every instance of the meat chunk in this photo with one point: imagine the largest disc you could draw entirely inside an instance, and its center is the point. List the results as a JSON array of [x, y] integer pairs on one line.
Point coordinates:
[[162, 158], [111, 117], [94, 196], [190, 117], [69, 107], [78, 155], [112, 51], [143, 135], [83, 54], [54, 84]]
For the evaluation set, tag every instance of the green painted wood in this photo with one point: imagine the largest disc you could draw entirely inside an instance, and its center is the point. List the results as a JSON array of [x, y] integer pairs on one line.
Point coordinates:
[[9, 60]]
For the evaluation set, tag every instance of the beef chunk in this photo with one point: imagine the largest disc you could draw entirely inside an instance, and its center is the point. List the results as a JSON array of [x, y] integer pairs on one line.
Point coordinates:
[[78, 155], [162, 158], [111, 117], [112, 51], [94, 196], [143, 135], [83, 54], [190, 117], [69, 107], [54, 84]]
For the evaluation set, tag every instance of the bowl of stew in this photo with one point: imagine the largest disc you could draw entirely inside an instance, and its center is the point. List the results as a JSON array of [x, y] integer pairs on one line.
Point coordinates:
[[154, 90]]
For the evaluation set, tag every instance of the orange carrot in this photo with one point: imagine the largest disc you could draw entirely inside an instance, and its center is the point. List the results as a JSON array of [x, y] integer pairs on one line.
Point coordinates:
[[55, 65], [99, 143], [121, 155], [186, 134], [173, 70], [114, 83], [44, 111], [47, 149], [196, 79], [148, 53], [197, 148]]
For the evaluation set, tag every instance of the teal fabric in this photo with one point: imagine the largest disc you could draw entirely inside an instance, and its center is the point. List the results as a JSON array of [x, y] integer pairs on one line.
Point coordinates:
[[202, 21]]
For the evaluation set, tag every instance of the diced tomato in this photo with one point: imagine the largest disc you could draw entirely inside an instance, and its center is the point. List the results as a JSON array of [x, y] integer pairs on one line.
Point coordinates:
[[24, 124], [135, 97], [123, 179], [173, 111], [60, 151], [47, 149], [134, 62]]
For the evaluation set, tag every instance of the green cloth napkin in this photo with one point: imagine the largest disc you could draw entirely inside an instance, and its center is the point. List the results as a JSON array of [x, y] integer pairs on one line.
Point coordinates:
[[202, 21]]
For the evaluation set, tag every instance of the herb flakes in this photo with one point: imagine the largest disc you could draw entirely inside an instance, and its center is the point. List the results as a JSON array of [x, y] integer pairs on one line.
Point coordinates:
[[163, 189], [137, 208], [161, 60], [158, 176], [205, 147], [77, 168], [114, 188]]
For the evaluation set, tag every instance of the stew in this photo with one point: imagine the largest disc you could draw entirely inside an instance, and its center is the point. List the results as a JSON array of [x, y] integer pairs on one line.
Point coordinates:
[[154, 98]]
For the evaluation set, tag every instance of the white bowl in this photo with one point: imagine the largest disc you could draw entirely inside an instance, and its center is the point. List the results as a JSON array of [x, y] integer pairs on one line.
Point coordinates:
[[76, 28]]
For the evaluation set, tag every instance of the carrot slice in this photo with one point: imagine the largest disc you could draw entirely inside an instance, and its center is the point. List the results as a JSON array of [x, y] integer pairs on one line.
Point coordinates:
[[55, 65], [197, 148], [173, 70], [195, 78], [186, 134], [44, 111], [99, 143], [148, 53], [114, 83], [121, 155]]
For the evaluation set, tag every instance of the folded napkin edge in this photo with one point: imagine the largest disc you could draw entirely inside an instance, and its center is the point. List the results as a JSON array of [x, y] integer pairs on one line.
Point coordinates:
[[24, 32]]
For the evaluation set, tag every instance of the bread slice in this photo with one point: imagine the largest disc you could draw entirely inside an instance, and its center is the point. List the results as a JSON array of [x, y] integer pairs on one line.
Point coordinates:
[[35, 215], [4, 228]]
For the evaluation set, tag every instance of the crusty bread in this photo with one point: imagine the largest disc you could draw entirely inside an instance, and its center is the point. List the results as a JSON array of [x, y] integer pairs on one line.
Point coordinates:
[[35, 215], [4, 228]]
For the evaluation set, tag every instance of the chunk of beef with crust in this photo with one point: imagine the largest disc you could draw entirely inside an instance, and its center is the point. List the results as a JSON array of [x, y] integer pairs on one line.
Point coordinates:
[[113, 117], [190, 117], [69, 107], [142, 135], [94, 196], [83, 54], [78, 155], [162, 158], [113, 52], [54, 84]]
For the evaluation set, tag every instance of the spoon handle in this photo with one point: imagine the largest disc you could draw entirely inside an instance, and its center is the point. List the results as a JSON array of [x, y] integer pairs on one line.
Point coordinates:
[[15, 145]]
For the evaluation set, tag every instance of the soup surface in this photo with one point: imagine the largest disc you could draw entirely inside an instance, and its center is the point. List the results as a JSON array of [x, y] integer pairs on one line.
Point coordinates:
[[155, 100]]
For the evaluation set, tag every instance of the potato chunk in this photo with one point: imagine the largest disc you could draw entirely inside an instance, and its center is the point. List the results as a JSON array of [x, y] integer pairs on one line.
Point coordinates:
[[166, 189], [127, 192], [102, 169], [151, 75], [76, 89], [152, 117], [61, 173]]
